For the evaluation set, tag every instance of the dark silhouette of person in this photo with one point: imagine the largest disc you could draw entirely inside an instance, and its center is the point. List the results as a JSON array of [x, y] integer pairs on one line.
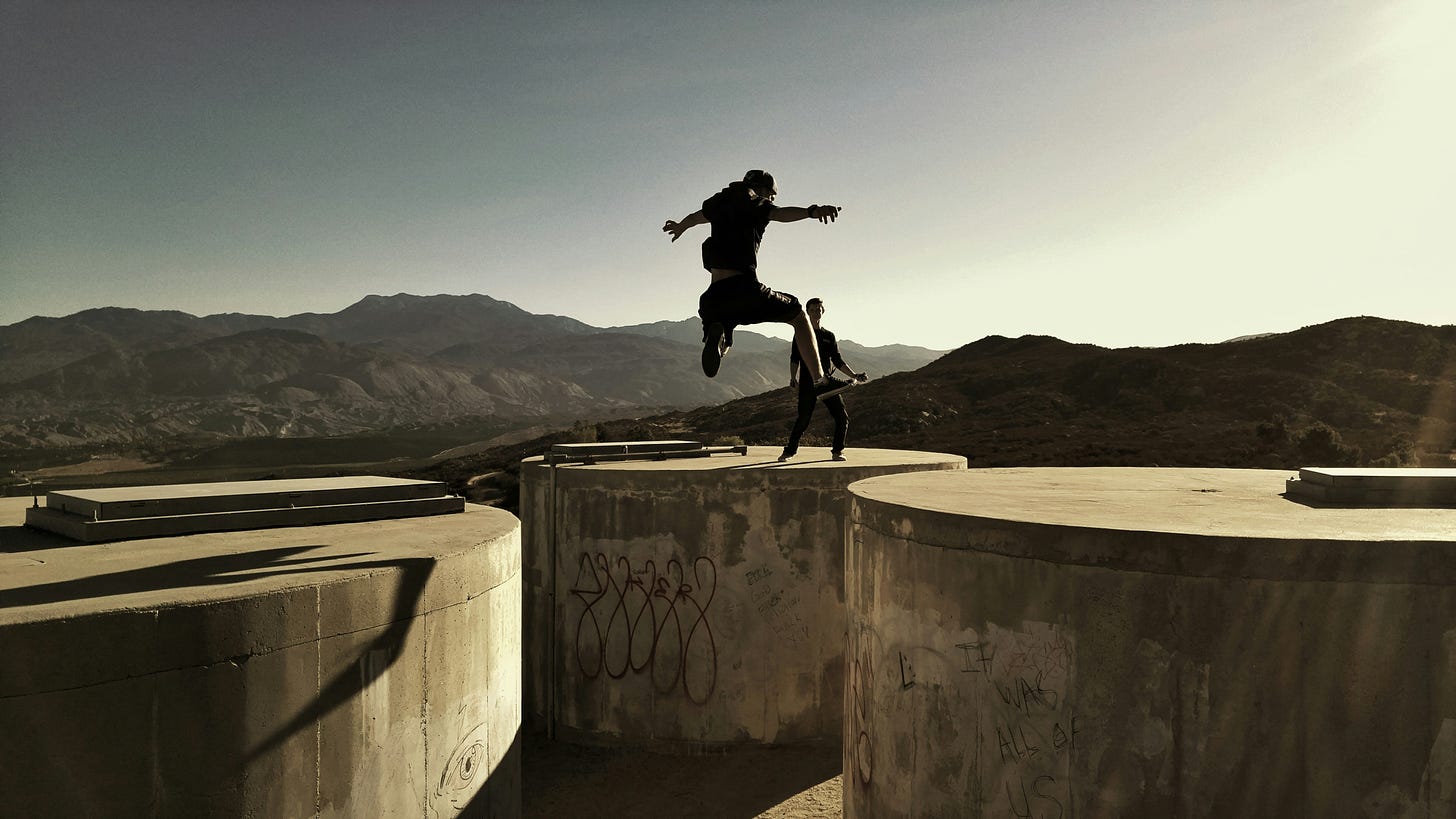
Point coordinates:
[[738, 215], [830, 359]]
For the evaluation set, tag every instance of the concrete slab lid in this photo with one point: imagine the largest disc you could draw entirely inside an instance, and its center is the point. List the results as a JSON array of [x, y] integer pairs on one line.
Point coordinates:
[[766, 458], [128, 494], [602, 447], [1240, 503], [121, 513], [1381, 472], [1378, 476], [1375, 487]]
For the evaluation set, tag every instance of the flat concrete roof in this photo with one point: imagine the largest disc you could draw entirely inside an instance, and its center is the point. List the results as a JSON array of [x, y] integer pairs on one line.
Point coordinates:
[[46, 576], [1382, 472], [1238, 503], [132, 494], [122, 513], [766, 458]]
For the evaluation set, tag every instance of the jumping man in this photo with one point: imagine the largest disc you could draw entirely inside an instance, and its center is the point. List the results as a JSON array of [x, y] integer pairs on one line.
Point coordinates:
[[738, 215]]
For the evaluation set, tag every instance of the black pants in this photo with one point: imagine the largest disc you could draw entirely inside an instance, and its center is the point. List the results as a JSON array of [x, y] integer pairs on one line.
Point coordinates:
[[743, 299], [833, 403]]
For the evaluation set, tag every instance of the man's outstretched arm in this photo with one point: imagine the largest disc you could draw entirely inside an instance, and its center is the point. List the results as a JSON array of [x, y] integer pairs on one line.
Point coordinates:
[[824, 213], [677, 229], [839, 362]]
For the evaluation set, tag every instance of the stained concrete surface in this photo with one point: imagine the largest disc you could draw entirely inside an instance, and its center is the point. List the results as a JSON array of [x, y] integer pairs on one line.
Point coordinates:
[[1220, 502], [131, 512], [346, 670], [692, 603], [1146, 642]]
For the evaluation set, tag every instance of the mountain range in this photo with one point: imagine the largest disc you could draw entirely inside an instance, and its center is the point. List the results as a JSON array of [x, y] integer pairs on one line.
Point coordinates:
[[118, 376], [1351, 392]]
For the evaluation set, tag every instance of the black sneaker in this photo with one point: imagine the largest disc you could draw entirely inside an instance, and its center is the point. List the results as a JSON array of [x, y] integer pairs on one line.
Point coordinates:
[[785, 455], [831, 386], [713, 348], [838, 456]]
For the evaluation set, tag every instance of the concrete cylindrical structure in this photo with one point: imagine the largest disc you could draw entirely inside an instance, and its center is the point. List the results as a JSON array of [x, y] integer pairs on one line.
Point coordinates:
[[692, 602], [1145, 642], [359, 669]]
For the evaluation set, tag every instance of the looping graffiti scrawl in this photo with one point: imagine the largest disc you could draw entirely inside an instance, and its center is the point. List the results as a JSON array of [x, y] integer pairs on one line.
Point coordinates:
[[860, 674], [642, 621]]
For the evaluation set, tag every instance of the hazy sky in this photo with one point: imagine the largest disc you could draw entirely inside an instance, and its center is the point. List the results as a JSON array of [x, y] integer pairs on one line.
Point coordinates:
[[1122, 173]]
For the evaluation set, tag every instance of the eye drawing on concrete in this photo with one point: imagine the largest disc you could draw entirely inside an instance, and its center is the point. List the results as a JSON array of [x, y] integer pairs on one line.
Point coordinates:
[[462, 775]]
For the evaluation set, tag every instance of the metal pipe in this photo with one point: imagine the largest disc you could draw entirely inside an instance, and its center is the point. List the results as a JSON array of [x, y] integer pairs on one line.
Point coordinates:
[[551, 640], [559, 457]]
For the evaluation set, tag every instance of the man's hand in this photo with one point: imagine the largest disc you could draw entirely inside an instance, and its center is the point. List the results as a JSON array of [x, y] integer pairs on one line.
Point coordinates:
[[676, 229], [824, 213]]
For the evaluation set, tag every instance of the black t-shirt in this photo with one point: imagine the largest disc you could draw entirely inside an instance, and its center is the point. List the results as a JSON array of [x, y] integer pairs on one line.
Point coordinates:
[[738, 221], [828, 353]]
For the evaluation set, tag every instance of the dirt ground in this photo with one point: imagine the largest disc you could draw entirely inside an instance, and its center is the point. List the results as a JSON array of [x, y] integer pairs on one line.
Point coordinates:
[[561, 780], [99, 465]]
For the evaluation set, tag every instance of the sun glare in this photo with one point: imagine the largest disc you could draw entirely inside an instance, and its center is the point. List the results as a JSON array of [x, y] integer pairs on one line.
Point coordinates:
[[1348, 207]]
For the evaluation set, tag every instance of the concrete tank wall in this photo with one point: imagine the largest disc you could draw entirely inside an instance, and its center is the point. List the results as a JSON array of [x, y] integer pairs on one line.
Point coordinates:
[[368, 669], [1142, 642], [695, 601]]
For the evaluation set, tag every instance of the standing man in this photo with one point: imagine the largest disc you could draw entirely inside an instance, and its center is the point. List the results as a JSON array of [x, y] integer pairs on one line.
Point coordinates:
[[738, 215], [799, 377]]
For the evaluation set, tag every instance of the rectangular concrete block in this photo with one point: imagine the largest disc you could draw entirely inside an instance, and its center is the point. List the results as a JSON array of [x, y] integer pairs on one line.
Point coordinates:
[[122, 502]]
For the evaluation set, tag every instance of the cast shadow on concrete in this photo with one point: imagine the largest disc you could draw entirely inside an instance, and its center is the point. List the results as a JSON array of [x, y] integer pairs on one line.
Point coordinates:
[[775, 464], [1306, 502], [16, 539], [198, 572], [782, 464], [499, 795], [224, 569], [348, 682], [561, 779], [720, 465], [1409, 502]]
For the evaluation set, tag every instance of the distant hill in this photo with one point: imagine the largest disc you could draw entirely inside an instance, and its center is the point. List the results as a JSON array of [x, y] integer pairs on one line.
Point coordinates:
[[1358, 391], [423, 325], [1383, 389], [38, 345], [884, 360], [121, 376], [419, 325]]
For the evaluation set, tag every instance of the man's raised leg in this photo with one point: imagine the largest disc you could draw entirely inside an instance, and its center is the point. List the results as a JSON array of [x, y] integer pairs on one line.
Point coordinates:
[[808, 345], [715, 346]]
